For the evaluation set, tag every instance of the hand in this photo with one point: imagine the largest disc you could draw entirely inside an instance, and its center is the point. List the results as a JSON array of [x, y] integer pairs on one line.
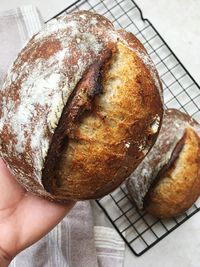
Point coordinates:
[[24, 218]]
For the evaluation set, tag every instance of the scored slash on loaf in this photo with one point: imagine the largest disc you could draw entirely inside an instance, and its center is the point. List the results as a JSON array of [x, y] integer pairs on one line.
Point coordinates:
[[80, 108]]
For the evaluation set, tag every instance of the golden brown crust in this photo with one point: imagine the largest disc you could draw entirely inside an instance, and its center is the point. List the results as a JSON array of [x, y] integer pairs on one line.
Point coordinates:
[[136, 45], [178, 186], [80, 101], [109, 141], [173, 126]]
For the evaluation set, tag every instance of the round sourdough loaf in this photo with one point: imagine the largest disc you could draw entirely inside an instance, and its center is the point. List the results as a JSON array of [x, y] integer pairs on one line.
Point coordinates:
[[80, 108], [177, 185], [167, 182]]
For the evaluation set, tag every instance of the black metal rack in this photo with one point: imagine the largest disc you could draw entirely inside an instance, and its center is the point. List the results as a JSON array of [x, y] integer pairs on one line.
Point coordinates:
[[140, 230]]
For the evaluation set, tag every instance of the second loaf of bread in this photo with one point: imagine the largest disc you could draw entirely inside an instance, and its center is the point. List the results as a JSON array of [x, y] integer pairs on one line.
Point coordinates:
[[164, 180], [177, 185]]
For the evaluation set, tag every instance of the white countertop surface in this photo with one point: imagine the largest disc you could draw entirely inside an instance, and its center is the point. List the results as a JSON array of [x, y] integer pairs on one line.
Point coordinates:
[[179, 23]]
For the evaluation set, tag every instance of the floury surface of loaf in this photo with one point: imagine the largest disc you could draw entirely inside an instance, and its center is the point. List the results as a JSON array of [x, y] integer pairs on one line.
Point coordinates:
[[173, 127], [42, 83]]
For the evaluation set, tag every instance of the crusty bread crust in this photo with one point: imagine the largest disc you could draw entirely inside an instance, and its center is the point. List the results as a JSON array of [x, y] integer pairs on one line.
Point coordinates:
[[109, 141], [162, 155], [80, 108], [176, 188]]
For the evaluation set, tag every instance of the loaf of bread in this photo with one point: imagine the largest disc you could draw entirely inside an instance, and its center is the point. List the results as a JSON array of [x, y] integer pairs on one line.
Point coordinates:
[[177, 185], [168, 179], [80, 108]]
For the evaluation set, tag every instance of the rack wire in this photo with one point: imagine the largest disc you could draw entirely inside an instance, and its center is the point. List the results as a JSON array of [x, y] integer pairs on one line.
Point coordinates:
[[140, 230]]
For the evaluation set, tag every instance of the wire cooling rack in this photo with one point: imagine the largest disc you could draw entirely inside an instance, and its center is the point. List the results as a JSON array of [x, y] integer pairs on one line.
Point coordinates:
[[140, 230]]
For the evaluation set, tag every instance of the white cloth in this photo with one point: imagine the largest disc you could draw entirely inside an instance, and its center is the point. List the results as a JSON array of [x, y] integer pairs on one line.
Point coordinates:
[[74, 242]]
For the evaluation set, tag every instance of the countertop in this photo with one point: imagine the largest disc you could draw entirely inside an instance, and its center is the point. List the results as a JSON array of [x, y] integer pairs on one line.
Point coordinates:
[[179, 23]]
